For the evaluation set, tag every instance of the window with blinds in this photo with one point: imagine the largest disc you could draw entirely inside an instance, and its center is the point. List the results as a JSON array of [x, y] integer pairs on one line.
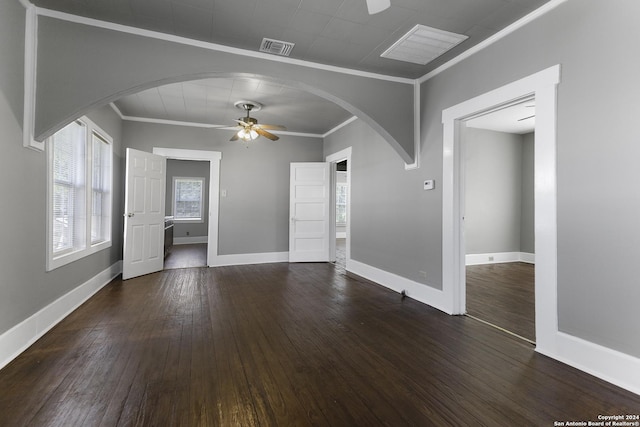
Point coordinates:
[[341, 203], [79, 202], [69, 148], [188, 199], [100, 189]]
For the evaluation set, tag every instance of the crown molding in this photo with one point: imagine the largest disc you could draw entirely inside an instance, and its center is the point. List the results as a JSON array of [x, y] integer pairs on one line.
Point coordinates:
[[213, 46], [340, 126]]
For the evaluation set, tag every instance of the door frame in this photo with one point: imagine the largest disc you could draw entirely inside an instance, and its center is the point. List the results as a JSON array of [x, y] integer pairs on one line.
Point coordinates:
[[334, 159], [213, 157], [543, 87]]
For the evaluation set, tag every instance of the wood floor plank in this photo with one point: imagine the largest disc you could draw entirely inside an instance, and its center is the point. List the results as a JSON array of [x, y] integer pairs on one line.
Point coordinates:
[[286, 344], [503, 294]]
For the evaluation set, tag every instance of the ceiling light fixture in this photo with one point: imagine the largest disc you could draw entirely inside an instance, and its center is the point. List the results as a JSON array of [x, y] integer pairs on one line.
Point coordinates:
[[249, 127], [247, 134]]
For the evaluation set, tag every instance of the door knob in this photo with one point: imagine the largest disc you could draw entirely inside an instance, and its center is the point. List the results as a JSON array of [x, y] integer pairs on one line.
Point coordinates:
[[130, 214]]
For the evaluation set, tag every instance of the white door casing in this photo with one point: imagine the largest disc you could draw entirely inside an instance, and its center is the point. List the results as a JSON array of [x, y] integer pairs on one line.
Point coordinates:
[[309, 212], [542, 86], [145, 177]]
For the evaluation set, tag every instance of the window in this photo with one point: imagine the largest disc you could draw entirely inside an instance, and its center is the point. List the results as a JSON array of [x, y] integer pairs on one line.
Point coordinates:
[[100, 190], [341, 203], [188, 201], [79, 189]]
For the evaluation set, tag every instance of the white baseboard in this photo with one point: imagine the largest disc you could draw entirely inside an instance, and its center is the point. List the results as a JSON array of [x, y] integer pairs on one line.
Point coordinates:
[[610, 365], [245, 259], [190, 240], [418, 291], [20, 337], [499, 257]]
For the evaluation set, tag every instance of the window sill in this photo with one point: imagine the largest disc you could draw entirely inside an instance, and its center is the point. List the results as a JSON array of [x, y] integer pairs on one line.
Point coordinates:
[[55, 262], [187, 221]]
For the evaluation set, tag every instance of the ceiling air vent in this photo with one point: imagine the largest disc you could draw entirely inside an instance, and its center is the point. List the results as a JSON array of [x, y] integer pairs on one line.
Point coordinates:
[[276, 47], [423, 44]]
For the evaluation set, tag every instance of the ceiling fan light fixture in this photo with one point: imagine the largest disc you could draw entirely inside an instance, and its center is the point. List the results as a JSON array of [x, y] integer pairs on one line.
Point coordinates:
[[247, 134], [249, 127]]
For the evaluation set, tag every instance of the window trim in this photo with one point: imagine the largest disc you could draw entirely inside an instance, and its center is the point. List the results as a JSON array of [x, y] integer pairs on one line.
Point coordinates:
[[56, 260], [202, 200]]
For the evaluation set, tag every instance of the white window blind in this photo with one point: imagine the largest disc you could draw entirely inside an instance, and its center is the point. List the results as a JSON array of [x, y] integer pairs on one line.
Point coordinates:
[[69, 147], [188, 198], [341, 203], [101, 190]]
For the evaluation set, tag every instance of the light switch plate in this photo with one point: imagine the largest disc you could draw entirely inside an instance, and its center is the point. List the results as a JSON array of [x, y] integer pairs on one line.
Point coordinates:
[[429, 184]]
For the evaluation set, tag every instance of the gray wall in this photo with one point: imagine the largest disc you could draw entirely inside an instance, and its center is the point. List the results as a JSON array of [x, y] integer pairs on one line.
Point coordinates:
[[397, 227], [499, 192], [254, 216], [527, 218], [25, 286], [389, 209], [189, 169], [597, 153], [81, 66]]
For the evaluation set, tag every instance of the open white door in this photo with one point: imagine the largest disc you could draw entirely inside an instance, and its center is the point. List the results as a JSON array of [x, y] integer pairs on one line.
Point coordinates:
[[309, 210], [144, 214]]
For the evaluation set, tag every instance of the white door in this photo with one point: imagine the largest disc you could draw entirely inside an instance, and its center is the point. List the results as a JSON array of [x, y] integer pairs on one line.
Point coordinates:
[[309, 210], [144, 213]]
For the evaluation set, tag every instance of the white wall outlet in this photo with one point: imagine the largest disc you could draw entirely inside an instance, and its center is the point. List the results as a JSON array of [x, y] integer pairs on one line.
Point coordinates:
[[429, 184]]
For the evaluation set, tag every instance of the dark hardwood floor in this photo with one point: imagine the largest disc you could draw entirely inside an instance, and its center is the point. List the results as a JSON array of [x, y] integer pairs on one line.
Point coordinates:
[[286, 344], [185, 256], [341, 255], [503, 295]]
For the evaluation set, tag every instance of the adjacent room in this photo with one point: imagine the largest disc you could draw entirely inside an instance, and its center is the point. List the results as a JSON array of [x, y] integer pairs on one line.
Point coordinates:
[[499, 218], [291, 212]]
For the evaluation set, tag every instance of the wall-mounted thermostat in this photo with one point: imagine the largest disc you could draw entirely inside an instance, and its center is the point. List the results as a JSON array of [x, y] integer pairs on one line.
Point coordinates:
[[429, 184]]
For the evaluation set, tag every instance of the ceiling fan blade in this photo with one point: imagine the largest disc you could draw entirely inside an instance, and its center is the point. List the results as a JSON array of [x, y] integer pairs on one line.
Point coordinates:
[[245, 124], [375, 6], [266, 134], [235, 137], [271, 127]]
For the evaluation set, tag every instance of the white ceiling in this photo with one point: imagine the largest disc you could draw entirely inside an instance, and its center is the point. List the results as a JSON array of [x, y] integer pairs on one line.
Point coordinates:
[[211, 102], [518, 119], [333, 32]]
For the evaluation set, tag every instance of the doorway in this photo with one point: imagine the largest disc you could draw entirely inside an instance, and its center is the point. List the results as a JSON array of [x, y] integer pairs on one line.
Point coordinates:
[[543, 87], [340, 249], [212, 158], [497, 194], [186, 205], [342, 196]]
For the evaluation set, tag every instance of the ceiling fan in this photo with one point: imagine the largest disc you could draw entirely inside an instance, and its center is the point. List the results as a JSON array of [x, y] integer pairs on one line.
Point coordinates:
[[249, 129], [375, 6]]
